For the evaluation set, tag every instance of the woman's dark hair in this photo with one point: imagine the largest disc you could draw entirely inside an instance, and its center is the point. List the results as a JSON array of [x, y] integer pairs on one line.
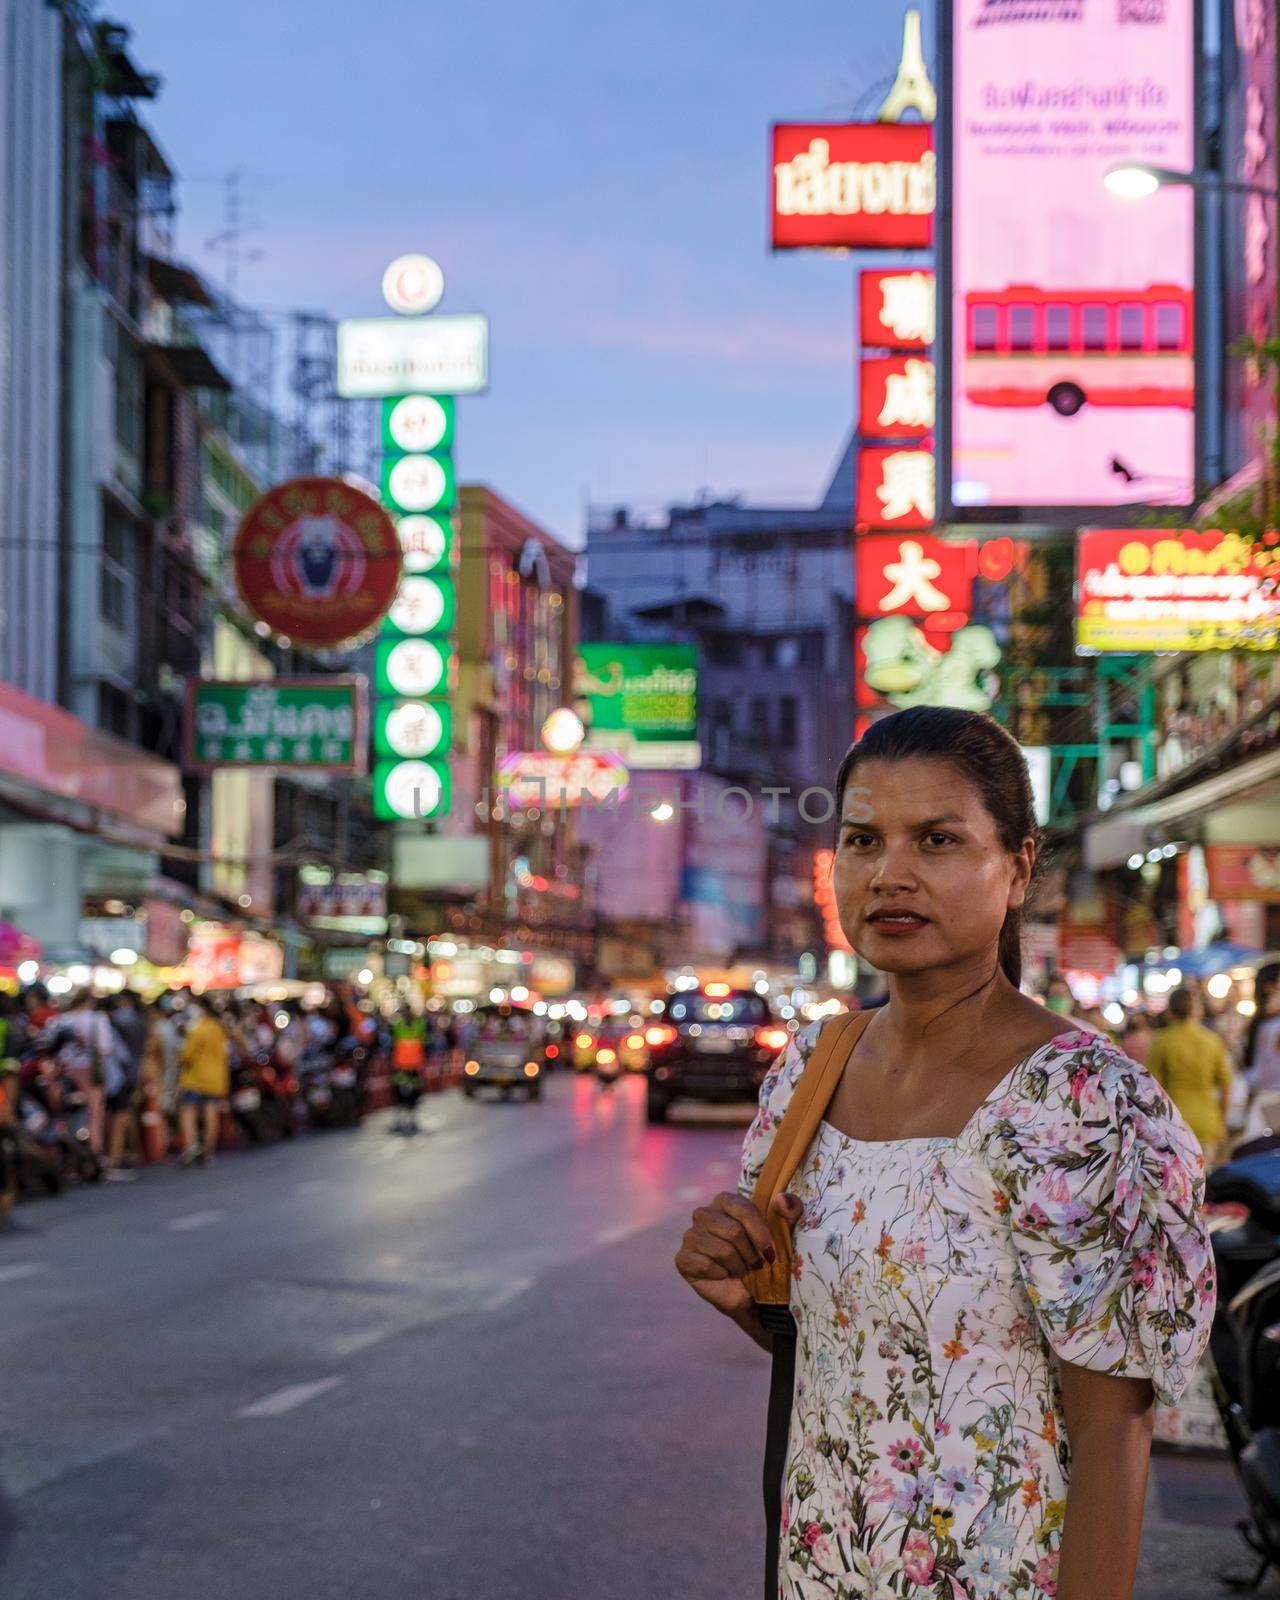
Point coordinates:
[[986, 756]]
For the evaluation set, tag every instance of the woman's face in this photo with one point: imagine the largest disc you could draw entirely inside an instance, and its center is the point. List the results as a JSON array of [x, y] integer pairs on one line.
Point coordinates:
[[921, 878]]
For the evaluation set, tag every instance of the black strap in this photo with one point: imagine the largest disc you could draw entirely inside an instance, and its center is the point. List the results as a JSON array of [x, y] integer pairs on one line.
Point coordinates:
[[777, 1321]]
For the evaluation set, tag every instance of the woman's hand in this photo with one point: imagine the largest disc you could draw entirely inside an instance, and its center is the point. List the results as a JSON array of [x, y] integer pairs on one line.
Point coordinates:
[[728, 1238]]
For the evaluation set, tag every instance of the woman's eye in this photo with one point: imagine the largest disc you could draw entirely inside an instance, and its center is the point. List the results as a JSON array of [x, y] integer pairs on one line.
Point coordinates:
[[859, 841], [938, 839]]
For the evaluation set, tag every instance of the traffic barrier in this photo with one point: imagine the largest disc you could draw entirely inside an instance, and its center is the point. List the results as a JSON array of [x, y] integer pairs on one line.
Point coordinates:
[[154, 1125]]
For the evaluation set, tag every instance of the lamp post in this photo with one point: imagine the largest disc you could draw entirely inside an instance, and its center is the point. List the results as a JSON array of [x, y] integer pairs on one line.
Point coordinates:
[[1135, 181], [1138, 181]]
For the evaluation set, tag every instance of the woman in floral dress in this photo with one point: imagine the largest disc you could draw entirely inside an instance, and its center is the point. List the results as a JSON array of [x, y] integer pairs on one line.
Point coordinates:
[[999, 1257]]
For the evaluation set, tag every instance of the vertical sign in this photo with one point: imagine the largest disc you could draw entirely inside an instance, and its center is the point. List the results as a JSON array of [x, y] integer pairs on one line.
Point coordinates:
[[1068, 326]]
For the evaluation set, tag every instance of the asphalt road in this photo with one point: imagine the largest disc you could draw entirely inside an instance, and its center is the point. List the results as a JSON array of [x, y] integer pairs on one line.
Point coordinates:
[[458, 1366]]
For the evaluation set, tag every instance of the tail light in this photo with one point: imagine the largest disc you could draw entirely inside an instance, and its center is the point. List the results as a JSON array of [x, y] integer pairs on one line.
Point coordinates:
[[716, 991], [584, 1041], [635, 1041], [660, 1034], [772, 1038], [606, 1057], [551, 1052]]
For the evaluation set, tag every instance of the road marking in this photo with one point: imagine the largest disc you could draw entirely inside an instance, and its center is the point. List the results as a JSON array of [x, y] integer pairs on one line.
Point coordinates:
[[193, 1219], [624, 1230], [311, 1186], [504, 1296], [20, 1269], [280, 1401]]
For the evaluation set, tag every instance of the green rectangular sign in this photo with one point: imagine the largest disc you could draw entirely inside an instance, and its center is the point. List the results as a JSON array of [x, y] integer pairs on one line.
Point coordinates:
[[640, 700], [276, 722]]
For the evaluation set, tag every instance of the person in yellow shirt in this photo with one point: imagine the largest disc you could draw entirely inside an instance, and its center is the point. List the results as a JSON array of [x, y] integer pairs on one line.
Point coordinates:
[[1191, 1065], [204, 1083]]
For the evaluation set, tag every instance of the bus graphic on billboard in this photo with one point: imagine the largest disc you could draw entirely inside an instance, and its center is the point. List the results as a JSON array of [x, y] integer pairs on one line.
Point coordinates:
[[1068, 348]]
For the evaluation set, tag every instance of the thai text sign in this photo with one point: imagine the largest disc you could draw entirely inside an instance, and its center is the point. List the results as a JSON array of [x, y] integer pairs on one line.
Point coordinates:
[[380, 356], [641, 701], [1175, 589], [863, 184], [281, 722]]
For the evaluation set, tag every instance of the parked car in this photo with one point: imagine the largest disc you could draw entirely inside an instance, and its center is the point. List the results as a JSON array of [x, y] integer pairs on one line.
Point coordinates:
[[715, 1043], [504, 1053]]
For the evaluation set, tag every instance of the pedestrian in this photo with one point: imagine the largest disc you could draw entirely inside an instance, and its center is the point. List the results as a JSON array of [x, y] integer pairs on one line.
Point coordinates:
[[123, 1066], [84, 1051], [1191, 1064], [992, 1246], [205, 1082]]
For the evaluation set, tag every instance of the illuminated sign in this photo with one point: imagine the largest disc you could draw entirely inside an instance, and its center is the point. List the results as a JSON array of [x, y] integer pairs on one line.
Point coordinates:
[[426, 541], [897, 310], [411, 667], [412, 729], [1070, 326], [317, 560], [280, 722], [914, 577], [641, 701], [410, 790], [419, 483], [896, 488], [898, 397], [422, 605], [855, 184], [380, 356], [538, 778], [824, 897], [1175, 589], [1244, 872], [413, 284], [417, 422], [898, 659]]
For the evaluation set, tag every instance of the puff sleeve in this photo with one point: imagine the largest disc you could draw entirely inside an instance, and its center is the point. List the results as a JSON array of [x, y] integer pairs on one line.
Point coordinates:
[[1103, 1185], [775, 1095]]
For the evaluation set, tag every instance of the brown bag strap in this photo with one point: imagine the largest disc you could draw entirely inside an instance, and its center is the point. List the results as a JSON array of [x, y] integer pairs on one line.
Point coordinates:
[[771, 1285]]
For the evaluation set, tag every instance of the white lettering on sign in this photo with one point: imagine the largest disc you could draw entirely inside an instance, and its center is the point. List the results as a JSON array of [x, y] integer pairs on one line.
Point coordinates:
[[907, 484], [912, 576], [909, 305], [909, 396], [812, 185]]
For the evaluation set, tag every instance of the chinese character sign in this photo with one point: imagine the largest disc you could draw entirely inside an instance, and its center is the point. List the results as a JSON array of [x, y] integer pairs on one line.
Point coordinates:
[[896, 488], [897, 397], [916, 577], [897, 309]]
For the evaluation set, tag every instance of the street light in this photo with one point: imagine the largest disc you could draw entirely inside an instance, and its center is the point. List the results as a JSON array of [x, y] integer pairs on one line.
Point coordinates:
[[1134, 180]]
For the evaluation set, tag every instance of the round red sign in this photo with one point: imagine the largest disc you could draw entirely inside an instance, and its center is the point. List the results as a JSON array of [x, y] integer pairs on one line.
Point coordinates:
[[317, 560]]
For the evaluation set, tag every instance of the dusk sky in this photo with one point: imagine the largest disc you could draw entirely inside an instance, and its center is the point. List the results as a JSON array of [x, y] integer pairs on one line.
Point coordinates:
[[594, 178]]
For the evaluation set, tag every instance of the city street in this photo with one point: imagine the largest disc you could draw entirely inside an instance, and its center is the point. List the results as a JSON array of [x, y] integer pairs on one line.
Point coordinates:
[[456, 1366]]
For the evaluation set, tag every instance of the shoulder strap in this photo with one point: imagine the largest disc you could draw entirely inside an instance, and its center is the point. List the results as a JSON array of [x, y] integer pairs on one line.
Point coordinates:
[[771, 1285]]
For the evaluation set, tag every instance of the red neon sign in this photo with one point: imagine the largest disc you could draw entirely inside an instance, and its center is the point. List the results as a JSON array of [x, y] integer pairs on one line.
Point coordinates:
[[897, 487], [914, 576], [898, 397], [864, 184], [897, 309]]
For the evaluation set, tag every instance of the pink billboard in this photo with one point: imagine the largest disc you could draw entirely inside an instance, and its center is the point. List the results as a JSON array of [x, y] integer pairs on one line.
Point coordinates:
[[1072, 327]]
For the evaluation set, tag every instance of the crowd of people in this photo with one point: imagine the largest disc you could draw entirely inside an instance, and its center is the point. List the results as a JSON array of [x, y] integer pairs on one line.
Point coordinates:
[[173, 1056], [1224, 1090]]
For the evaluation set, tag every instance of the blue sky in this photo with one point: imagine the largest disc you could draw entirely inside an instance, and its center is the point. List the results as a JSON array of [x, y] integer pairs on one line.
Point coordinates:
[[593, 177]]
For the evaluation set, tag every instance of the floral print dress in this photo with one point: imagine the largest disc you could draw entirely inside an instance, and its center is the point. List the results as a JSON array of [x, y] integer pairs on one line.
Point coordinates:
[[935, 1281]]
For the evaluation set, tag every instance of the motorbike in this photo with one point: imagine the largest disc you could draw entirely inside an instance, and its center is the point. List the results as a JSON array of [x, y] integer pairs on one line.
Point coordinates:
[[52, 1124], [608, 1067], [246, 1101], [350, 1065], [315, 1067], [1244, 1345]]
